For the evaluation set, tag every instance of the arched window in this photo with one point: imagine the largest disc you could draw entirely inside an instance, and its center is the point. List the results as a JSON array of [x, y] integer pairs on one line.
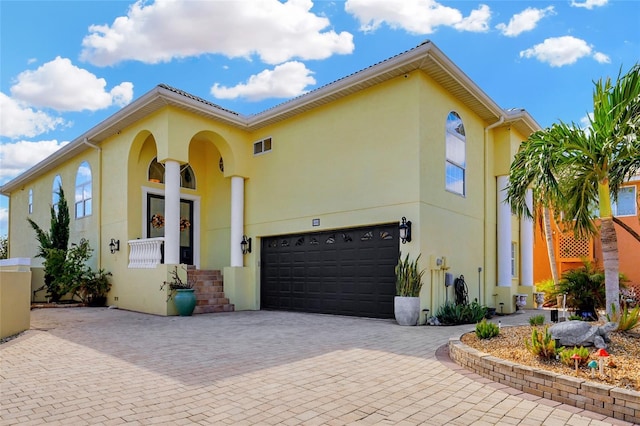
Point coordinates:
[[455, 166], [30, 201], [83, 191], [55, 192], [187, 177]]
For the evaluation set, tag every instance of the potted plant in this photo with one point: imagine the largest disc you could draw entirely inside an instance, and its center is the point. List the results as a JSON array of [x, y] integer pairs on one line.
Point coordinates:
[[182, 293], [406, 304]]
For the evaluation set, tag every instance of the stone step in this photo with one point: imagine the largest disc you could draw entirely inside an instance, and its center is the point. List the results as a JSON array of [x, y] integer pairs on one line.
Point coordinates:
[[209, 289]]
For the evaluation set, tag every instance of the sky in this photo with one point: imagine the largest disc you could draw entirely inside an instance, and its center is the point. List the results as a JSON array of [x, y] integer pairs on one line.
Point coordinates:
[[65, 66]]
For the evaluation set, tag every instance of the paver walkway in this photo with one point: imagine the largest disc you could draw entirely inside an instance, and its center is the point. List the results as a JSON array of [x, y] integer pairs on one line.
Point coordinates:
[[108, 366]]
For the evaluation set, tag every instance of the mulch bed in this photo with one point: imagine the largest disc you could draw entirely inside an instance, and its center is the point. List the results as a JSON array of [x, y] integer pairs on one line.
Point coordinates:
[[624, 362]]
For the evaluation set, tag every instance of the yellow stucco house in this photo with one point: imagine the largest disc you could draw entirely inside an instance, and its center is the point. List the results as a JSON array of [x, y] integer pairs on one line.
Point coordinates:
[[316, 187]]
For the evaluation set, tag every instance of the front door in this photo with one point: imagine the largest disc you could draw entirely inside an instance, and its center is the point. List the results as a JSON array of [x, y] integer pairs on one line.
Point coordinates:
[[155, 224]]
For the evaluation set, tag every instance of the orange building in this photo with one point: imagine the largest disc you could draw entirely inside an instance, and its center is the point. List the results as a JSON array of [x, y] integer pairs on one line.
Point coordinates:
[[570, 251]]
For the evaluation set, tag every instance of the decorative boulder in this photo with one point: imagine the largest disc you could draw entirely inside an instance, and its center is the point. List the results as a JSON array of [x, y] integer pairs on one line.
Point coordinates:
[[580, 333]]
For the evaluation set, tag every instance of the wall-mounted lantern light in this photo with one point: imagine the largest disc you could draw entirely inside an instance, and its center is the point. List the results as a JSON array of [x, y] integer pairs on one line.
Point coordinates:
[[114, 245], [405, 230], [245, 244]]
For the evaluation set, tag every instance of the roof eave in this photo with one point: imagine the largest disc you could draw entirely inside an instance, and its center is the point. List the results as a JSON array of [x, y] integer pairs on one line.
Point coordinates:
[[112, 125]]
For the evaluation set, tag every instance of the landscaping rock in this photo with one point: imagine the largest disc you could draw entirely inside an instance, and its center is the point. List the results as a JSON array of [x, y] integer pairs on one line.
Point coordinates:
[[580, 333]]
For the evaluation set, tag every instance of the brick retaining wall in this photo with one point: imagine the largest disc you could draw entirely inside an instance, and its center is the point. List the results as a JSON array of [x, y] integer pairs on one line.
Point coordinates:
[[603, 399]]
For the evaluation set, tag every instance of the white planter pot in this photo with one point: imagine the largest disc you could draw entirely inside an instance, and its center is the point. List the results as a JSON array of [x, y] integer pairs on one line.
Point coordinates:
[[406, 310]]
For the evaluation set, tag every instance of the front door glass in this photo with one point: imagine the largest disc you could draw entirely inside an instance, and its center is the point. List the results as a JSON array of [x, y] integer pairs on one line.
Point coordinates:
[[155, 224]]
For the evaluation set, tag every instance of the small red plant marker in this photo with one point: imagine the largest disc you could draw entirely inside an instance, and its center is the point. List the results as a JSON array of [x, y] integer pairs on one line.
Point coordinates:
[[577, 359], [602, 354]]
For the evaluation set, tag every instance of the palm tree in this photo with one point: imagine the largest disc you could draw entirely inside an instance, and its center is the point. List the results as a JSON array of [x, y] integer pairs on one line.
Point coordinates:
[[573, 170]]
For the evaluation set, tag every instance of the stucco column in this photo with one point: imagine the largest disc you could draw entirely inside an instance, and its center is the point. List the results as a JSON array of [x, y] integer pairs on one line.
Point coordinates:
[[526, 245], [237, 219], [504, 233], [171, 212]]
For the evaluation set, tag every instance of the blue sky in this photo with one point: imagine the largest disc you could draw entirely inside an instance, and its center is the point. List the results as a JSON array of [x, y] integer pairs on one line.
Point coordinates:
[[68, 65]]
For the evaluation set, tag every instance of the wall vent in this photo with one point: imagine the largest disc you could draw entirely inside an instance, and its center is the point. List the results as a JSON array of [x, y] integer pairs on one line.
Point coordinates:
[[262, 146]]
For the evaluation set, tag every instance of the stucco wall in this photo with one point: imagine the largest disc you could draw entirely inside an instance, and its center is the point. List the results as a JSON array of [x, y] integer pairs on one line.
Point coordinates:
[[15, 298], [371, 157]]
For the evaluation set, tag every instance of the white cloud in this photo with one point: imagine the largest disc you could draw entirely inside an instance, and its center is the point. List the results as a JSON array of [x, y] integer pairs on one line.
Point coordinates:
[[416, 16], [62, 86], [18, 120], [122, 93], [284, 81], [167, 29], [477, 21], [526, 20], [589, 4], [601, 58], [558, 51], [17, 157]]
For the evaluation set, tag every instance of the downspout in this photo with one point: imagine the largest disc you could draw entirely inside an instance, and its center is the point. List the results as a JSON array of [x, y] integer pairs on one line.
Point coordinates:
[[99, 218], [484, 200], [96, 147]]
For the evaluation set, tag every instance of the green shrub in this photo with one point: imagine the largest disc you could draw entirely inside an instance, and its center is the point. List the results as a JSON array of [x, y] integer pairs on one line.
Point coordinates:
[[541, 344], [53, 246], [451, 314], [73, 276], [486, 330], [475, 312], [567, 353], [4, 247], [536, 320], [585, 289], [626, 320], [575, 318], [94, 287]]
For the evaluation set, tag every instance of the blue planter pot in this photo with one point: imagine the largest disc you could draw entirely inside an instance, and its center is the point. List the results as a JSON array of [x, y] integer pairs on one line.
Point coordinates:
[[185, 301]]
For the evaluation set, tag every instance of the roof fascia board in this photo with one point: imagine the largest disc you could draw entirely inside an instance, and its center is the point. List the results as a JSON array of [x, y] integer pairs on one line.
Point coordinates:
[[237, 120], [525, 117], [463, 80]]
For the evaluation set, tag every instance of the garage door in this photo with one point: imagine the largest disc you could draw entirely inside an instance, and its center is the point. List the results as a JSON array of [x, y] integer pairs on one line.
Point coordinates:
[[345, 272]]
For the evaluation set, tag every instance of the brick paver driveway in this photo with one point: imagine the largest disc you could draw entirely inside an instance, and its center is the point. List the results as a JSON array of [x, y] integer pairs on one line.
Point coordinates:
[[107, 366]]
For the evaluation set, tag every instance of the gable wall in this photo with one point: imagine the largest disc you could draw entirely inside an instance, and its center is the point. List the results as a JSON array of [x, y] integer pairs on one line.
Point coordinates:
[[460, 228], [346, 163]]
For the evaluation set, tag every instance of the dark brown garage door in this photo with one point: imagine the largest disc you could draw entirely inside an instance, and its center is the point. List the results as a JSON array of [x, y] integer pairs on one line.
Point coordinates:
[[345, 272]]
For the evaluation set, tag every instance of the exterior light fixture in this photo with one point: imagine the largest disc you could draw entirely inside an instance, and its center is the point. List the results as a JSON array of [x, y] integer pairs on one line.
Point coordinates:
[[405, 230], [114, 245], [245, 244]]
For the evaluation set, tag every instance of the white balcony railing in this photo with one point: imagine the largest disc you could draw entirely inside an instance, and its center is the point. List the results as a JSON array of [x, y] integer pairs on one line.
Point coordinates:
[[145, 253]]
